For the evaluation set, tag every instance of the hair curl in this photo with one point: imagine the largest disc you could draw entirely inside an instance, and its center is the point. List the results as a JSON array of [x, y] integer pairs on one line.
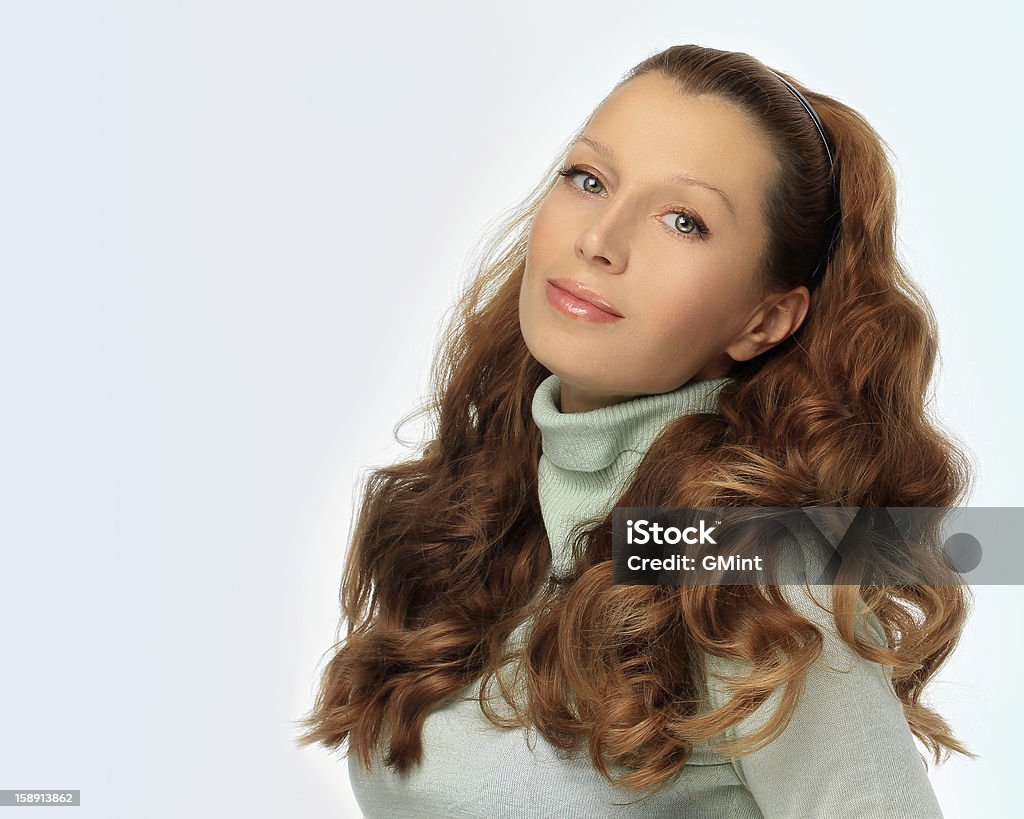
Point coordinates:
[[834, 415]]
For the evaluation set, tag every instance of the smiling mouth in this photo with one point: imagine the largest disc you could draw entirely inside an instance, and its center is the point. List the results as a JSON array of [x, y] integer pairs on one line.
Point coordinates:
[[578, 308], [585, 292]]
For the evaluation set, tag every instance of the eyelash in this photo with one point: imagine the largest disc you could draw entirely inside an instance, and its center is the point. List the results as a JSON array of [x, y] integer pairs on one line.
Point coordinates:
[[702, 230]]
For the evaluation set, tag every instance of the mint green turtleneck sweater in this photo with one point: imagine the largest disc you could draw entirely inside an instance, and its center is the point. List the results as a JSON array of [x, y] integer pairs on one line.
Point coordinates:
[[848, 751]]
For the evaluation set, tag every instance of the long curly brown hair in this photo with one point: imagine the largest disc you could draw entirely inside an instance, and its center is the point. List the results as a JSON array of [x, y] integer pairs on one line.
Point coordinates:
[[449, 553]]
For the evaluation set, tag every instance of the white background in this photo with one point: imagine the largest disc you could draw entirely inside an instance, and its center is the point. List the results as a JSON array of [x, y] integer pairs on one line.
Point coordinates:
[[228, 233]]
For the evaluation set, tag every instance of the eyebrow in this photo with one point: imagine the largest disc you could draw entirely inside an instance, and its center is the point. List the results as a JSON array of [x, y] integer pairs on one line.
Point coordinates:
[[682, 178]]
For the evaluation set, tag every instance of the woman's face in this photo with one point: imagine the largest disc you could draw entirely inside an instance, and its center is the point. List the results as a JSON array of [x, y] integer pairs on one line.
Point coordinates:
[[674, 259]]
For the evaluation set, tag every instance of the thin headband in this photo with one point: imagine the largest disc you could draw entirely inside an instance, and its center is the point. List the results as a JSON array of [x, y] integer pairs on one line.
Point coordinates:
[[814, 116], [833, 218]]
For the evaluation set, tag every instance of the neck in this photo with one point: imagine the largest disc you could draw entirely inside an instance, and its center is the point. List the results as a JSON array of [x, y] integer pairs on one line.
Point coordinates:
[[589, 456]]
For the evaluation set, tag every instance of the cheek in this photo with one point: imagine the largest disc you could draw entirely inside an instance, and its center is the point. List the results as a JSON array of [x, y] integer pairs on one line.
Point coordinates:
[[691, 320], [531, 293], [674, 327], [545, 236]]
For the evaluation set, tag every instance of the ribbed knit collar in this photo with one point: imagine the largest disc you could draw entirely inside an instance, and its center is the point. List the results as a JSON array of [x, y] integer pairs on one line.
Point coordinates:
[[590, 441]]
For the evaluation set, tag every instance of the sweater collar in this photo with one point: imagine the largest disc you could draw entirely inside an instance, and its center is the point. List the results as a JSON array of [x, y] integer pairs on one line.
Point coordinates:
[[592, 440]]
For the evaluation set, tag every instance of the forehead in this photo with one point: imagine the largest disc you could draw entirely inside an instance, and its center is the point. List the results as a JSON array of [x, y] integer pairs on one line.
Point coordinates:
[[654, 130]]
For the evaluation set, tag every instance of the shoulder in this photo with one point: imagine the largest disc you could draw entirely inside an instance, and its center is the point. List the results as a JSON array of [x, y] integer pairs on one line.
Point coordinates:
[[847, 748]]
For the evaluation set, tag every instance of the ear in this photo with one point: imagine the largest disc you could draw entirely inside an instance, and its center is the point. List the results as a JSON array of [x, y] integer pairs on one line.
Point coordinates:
[[773, 321]]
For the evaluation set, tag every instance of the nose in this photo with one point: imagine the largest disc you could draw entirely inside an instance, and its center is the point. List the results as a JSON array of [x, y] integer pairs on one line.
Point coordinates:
[[603, 243]]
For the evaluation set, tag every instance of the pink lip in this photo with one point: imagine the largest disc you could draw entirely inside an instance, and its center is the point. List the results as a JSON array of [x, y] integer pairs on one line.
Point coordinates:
[[580, 301]]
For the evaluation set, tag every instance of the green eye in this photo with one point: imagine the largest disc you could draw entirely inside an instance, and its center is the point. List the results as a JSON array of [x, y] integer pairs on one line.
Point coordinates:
[[574, 171], [685, 223]]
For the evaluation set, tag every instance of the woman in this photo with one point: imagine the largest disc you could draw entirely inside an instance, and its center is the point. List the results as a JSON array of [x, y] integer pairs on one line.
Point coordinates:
[[702, 307]]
